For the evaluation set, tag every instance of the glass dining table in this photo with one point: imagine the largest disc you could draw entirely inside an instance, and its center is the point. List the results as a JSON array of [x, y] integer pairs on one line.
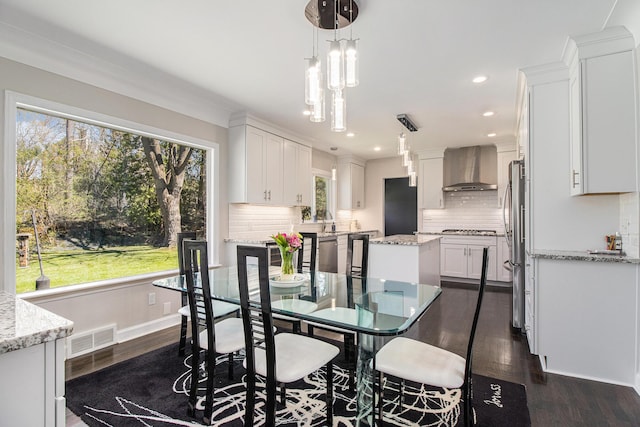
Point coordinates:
[[370, 307]]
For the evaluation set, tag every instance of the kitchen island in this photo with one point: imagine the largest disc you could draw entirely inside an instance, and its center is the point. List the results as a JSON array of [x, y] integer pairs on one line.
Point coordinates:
[[32, 354], [404, 257]]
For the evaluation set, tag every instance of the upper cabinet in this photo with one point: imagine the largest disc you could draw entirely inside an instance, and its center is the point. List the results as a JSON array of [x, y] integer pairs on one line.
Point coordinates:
[[298, 178], [350, 183], [256, 168], [431, 179], [602, 93]]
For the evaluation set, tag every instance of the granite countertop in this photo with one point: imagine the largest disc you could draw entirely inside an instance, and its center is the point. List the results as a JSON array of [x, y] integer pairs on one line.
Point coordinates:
[[582, 256], [270, 240], [23, 324], [404, 240], [439, 233]]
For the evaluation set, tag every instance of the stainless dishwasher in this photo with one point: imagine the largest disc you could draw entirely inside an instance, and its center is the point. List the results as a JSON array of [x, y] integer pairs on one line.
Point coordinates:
[[328, 254]]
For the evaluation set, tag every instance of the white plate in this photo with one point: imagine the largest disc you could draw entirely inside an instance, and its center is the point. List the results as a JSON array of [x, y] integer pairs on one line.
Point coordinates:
[[298, 279]]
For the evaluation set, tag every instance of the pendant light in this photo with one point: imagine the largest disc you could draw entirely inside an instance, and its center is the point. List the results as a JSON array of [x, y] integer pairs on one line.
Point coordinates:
[[317, 108], [338, 111], [335, 62], [402, 139], [413, 179], [313, 81], [351, 55]]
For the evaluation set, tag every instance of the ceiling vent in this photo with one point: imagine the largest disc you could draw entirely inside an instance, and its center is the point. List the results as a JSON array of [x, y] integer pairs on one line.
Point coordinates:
[[406, 122]]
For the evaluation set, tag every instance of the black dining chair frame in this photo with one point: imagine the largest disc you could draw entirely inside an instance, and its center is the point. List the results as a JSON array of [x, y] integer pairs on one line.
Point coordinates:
[[181, 237], [259, 333]]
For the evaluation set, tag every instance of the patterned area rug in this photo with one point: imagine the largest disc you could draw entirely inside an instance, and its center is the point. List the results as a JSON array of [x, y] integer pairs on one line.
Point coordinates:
[[152, 390]]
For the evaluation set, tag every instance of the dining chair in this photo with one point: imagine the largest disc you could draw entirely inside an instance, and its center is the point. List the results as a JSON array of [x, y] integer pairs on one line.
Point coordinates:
[[412, 360], [357, 268], [281, 358], [223, 337], [221, 308], [310, 246]]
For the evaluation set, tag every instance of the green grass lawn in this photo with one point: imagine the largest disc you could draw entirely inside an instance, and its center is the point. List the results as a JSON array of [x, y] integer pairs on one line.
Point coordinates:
[[70, 267]]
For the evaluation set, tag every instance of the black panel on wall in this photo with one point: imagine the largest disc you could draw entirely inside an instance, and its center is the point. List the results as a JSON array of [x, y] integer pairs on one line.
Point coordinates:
[[400, 207]]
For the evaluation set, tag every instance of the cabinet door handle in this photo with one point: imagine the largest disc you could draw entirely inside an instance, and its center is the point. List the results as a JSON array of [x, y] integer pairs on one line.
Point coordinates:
[[574, 174], [265, 194], [269, 194]]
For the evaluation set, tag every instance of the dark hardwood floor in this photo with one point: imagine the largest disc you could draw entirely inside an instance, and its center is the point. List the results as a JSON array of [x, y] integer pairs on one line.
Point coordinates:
[[553, 400]]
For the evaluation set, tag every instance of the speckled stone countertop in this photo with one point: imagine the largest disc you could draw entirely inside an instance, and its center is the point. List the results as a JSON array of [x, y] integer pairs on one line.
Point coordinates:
[[582, 256], [23, 324], [266, 240], [404, 240], [438, 233]]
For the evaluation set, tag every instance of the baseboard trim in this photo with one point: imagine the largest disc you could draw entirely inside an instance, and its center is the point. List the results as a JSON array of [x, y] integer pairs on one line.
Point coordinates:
[[143, 329], [590, 378]]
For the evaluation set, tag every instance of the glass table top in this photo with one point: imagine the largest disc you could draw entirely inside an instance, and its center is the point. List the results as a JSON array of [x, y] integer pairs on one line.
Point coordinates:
[[369, 305]]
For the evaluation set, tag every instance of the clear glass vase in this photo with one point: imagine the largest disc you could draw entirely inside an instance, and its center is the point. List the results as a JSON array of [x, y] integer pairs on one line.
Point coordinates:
[[286, 271]]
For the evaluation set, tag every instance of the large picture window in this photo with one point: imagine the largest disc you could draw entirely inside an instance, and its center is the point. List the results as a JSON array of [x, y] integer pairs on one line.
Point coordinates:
[[105, 203]]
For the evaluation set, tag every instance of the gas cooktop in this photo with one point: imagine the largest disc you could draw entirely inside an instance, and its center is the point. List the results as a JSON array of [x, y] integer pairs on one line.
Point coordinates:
[[469, 232]]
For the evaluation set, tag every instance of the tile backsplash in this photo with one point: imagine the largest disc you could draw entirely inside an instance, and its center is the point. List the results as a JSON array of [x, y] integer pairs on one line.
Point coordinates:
[[629, 224], [465, 210], [259, 222]]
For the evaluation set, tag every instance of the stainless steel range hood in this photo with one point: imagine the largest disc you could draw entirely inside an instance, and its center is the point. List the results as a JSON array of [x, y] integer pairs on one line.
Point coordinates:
[[470, 168]]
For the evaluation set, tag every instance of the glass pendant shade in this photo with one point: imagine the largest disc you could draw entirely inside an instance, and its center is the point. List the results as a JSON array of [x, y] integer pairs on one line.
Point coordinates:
[[410, 168], [312, 81], [351, 64], [335, 66], [338, 112], [334, 173], [405, 158], [413, 179], [401, 144], [317, 108]]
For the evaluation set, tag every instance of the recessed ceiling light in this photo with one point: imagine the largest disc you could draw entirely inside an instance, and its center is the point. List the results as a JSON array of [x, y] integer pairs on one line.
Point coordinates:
[[491, 135], [488, 113], [307, 112], [377, 148], [480, 79], [350, 134]]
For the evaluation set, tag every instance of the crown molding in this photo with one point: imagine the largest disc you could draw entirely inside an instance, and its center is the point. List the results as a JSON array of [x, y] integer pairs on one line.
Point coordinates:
[[135, 80]]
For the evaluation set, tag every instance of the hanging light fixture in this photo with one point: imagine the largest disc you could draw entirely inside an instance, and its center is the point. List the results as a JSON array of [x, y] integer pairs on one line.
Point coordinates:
[[338, 111], [351, 55], [342, 61], [402, 140], [335, 59], [413, 179], [317, 108]]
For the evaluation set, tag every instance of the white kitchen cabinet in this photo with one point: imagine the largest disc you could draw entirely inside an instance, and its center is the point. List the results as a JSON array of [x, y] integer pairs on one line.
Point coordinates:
[[586, 325], [255, 166], [503, 254], [602, 93], [530, 305], [431, 182], [504, 159], [297, 179], [461, 256], [350, 185]]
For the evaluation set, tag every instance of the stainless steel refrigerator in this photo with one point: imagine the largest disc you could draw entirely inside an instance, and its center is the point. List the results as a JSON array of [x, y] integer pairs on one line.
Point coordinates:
[[514, 230]]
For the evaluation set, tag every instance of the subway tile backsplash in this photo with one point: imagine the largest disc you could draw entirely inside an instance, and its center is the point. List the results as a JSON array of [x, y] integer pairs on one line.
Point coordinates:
[[465, 210], [259, 222]]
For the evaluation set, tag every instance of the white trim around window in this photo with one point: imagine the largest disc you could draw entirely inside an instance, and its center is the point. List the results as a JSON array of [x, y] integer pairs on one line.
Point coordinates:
[[14, 100]]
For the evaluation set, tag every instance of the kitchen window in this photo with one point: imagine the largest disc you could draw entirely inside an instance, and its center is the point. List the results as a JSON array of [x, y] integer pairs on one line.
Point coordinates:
[[105, 198], [323, 197]]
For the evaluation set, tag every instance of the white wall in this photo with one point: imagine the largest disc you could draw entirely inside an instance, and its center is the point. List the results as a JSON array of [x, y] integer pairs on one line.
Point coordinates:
[[126, 306]]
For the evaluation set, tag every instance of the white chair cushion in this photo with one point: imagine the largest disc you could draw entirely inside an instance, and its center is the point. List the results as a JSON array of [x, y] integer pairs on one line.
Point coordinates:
[[229, 336], [296, 356], [220, 308], [420, 362]]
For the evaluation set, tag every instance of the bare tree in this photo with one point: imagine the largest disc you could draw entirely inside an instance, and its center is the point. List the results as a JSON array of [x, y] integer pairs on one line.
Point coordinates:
[[168, 170]]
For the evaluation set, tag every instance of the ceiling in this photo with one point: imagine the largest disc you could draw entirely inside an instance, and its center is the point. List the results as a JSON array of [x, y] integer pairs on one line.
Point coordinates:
[[417, 57]]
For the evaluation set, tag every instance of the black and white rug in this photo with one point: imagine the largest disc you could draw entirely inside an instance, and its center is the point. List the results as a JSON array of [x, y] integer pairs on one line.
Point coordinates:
[[152, 390]]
